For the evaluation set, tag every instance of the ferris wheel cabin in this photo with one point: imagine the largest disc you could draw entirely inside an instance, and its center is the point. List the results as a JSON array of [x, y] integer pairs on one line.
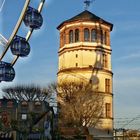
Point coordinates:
[[7, 72], [33, 18], [20, 47]]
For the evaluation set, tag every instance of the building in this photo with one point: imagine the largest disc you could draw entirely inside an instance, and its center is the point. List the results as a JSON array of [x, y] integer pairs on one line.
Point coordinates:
[[35, 118], [8, 113], [85, 55], [32, 120], [126, 134]]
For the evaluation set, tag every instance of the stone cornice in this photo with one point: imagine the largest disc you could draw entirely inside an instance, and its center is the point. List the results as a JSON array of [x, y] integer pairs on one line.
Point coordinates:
[[106, 93], [84, 24], [108, 118], [83, 69], [81, 47]]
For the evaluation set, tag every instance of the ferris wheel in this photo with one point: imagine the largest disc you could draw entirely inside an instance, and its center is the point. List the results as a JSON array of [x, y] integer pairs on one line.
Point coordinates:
[[19, 45]]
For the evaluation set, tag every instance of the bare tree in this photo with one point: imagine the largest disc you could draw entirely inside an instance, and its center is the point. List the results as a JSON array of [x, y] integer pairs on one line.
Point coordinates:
[[27, 93], [79, 104]]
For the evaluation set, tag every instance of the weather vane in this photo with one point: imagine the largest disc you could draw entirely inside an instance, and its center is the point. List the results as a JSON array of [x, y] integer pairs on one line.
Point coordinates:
[[87, 3]]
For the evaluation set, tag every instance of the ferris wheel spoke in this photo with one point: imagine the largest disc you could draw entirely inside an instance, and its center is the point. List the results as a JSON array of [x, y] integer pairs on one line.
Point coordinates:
[[3, 40], [29, 34], [14, 60], [41, 5], [1, 7]]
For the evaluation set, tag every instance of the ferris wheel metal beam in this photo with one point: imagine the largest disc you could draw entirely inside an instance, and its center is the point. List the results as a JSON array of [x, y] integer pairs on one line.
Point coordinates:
[[16, 28], [1, 7], [28, 35], [3, 40]]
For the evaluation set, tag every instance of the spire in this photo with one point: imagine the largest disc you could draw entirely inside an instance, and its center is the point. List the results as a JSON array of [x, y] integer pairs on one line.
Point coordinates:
[[87, 3]]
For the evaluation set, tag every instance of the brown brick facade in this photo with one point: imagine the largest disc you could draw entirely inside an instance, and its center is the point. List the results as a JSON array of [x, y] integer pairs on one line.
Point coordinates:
[[64, 35]]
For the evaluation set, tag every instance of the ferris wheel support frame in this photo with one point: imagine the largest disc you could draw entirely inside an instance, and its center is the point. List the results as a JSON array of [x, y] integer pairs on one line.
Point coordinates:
[[16, 28], [18, 24], [3, 40], [28, 35]]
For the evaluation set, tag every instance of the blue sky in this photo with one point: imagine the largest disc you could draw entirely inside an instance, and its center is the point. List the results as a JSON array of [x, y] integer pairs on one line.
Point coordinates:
[[40, 67]]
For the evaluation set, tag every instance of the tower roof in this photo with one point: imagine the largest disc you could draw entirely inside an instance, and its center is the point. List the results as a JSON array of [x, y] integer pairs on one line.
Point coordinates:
[[85, 16]]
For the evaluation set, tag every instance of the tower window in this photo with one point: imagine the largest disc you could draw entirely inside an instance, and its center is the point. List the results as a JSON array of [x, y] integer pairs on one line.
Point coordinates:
[[76, 55], [99, 35], [93, 35], [64, 39], [86, 34], [105, 38], [108, 110], [107, 85], [105, 61], [76, 35], [76, 64], [71, 36], [102, 37]]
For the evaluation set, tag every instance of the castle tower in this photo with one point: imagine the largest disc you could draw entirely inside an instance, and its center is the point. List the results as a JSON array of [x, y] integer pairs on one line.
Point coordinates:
[[85, 54]]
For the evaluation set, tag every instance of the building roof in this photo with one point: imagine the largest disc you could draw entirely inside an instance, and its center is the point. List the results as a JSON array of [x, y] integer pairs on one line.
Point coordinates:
[[85, 16]]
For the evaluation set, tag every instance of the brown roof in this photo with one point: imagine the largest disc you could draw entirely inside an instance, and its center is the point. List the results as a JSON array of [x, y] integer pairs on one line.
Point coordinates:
[[85, 16]]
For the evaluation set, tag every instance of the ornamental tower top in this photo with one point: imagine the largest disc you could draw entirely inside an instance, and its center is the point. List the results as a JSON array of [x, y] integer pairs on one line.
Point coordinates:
[[87, 3]]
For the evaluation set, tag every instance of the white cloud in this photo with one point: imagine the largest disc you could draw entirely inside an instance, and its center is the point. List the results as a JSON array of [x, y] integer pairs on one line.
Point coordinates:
[[129, 56]]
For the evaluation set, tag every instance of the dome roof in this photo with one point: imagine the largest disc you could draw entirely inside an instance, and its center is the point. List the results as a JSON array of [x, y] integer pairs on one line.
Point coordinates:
[[85, 16]]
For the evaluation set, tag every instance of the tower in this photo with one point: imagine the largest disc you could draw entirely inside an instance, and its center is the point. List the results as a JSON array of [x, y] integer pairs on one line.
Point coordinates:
[[85, 55]]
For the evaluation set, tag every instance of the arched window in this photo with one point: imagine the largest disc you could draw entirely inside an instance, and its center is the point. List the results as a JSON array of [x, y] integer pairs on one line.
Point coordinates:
[[93, 35], [105, 61], [86, 34], [105, 38], [37, 103], [64, 39], [24, 103], [76, 35], [71, 36], [102, 37]]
